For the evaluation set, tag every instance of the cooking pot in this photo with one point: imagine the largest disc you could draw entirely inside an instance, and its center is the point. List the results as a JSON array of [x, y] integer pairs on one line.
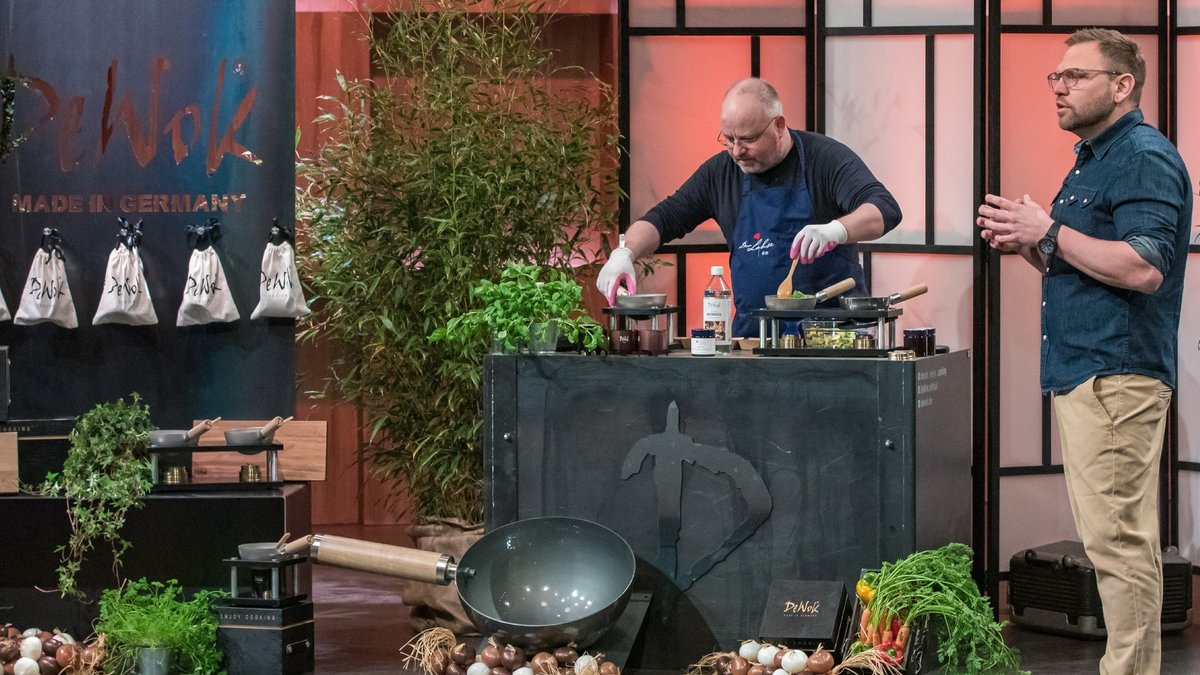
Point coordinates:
[[537, 583], [255, 435], [884, 302], [776, 302], [180, 438]]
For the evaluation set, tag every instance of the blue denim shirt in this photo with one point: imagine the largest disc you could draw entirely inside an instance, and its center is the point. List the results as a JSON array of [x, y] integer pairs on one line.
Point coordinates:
[[1129, 184]]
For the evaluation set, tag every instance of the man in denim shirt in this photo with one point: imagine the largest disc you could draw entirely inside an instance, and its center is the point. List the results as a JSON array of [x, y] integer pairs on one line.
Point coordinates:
[[1112, 252]]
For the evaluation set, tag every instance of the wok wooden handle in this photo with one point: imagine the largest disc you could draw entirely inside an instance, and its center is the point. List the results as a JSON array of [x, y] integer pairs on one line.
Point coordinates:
[[911, 292], [395, 561], [271, 426], [201, 428], [835, 290], [293, 547]]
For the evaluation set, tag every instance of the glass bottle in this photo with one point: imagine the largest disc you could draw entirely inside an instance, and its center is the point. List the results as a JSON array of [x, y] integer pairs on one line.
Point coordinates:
[[718, 309]]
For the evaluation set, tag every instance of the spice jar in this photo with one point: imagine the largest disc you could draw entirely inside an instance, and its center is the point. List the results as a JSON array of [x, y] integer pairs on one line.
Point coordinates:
[[704, 342], [920, 340]]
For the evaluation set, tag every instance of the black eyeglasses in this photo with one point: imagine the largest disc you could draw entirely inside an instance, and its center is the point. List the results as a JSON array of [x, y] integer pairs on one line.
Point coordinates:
[[729, 142], [1072, 76]]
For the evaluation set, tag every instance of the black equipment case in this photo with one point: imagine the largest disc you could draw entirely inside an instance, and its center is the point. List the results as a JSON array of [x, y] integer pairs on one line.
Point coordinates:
[[1053, 588]]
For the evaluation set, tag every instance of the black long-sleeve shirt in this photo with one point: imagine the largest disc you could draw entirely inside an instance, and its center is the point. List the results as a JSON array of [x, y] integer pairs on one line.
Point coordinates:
[[838, 181]]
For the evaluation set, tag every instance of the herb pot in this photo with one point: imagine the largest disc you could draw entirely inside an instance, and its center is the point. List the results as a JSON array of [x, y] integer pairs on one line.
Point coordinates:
[[543, 337], [155, 660]]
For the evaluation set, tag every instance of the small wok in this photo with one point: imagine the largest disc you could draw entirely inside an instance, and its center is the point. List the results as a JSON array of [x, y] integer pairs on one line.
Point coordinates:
[[255, 435], [776, 302], [538, 583], [883, 302], [641, 300], [180, 438]]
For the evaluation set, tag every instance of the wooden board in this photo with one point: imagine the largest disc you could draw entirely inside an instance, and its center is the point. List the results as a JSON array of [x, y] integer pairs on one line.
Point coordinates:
[[8, 462], [302, 456]]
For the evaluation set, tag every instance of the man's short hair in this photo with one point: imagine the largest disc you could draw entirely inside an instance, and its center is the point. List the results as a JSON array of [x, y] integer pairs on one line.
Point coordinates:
[[761, 90], [1122, 54]]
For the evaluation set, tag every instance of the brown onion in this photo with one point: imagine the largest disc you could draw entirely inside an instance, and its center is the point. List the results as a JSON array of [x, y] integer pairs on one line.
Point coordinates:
[[820, 661], [67, 656], [490, 655], [566, 656], [778, 661], [739, 666], [609, 668], [437, 662], [758, 669], [463, 654], [9, 649], [512, 657], [49, 666], [50, 647], [453, 668], [500, 670], [542, 662]]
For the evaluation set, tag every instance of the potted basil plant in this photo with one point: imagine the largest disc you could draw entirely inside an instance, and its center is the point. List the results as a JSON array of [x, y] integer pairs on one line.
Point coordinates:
[[526, 310]]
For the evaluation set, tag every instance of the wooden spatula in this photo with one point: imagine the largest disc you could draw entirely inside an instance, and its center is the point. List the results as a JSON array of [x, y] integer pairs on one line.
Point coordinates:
[[785, 288]]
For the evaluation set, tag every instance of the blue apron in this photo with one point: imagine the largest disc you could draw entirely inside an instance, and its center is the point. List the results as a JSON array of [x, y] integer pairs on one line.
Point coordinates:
[[768, 220]]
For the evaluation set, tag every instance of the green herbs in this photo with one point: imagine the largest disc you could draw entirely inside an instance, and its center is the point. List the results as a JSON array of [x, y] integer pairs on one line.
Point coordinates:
[[524, 296], [154, 614], [797, 295], [106, 473], [938, 584]]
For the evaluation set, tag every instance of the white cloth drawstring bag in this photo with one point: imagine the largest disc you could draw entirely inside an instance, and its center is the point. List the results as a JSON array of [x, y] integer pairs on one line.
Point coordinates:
[[126, 297], [4, 315], [206, 295], [279, 291], [47, 296]]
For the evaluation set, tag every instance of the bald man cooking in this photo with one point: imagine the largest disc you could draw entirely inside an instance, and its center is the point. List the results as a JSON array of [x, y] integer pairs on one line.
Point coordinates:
[[777, 194]]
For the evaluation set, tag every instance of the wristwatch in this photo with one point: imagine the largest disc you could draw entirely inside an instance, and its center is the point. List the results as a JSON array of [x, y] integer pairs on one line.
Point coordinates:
[[1048, 244]]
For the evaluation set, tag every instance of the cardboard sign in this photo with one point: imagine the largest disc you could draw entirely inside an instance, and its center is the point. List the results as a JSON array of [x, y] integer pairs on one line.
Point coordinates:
[[8, 462]]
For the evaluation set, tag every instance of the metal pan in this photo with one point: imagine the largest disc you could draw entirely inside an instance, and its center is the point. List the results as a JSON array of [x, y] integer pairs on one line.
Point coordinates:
[[641, 300], [180, 438], [255, 435], [776, 302], [883, 302], [538, 583]]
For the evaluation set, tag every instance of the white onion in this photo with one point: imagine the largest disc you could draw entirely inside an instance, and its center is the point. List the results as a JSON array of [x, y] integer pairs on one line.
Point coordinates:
[[523, 670], [65, 638], [749, 651], [766, 655], [780, 671], [32, 632], [478, 668], [26, 666], [793, 661], [31, 648], [586, 664]]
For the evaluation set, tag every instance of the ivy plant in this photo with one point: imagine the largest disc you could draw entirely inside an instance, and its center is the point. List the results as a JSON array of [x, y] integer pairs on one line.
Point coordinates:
[[106, 473], [453, 159], [525, 295], [142, 613]]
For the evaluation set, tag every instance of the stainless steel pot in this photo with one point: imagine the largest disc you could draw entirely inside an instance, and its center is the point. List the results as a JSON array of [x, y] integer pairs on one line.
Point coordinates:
[[180, 438]]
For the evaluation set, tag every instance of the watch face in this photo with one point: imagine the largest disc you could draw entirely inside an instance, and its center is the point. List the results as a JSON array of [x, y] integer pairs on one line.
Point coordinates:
[[1047, 246]]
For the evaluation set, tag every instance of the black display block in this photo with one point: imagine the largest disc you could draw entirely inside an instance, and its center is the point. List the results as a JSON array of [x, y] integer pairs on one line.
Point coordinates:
[[266, 640], [727, 474], [805, 614]]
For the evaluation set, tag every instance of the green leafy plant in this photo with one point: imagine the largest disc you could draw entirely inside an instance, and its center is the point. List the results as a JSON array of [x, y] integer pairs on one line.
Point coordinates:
[[937, 583], [145, 613], [106, 473], [526, 295], [455, 159]]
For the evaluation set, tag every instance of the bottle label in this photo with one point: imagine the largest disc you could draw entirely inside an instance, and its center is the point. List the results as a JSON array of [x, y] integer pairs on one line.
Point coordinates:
[[717, 313]]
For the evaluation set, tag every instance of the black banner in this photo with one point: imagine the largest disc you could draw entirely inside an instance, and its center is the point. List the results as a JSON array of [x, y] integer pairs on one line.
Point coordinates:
[[175, 113]]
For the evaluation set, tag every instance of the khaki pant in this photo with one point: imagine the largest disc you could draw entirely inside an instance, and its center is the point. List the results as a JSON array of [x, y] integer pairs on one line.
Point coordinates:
[[1111, 429]]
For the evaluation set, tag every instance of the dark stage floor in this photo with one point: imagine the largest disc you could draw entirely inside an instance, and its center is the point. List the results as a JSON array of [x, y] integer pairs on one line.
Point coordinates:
[[361, 624]]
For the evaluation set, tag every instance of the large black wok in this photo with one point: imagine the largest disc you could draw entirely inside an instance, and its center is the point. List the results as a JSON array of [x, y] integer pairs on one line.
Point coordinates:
[[536, 583]]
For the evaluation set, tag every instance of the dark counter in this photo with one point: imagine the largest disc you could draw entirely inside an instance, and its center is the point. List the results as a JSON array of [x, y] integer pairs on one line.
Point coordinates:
[[727, 473], [182, 536]]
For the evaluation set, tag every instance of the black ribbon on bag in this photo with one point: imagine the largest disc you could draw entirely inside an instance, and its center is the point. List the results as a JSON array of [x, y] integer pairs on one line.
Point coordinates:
[[280, 233], [130, 236], [200, 237], [52, 242]]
